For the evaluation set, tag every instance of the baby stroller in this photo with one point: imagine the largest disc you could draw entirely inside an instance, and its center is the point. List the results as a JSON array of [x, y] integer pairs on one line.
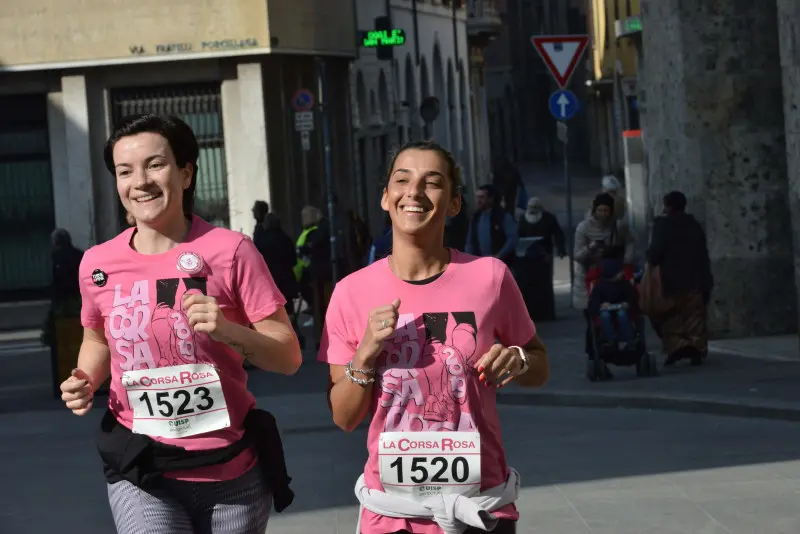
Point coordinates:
[[604, 351]]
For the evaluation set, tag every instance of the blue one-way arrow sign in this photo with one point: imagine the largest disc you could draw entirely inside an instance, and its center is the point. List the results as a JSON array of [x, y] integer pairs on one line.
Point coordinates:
[[563, 104]]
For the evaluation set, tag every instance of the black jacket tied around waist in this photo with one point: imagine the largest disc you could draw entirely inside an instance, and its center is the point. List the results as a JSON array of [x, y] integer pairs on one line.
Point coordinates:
[[142, 461]]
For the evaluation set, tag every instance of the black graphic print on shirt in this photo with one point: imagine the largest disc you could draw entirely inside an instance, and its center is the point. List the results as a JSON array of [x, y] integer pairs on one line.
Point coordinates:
[[425, 373], [149, 333]]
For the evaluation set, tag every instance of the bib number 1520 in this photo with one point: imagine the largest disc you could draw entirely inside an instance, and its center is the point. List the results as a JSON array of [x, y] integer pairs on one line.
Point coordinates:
[[418, 465], [427, 470]]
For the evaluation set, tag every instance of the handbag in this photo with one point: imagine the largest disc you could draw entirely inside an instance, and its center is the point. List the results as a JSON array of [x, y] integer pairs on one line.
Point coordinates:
[[652, 301]]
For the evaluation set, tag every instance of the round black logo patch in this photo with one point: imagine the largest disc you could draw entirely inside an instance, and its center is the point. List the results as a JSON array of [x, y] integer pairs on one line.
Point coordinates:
[[99, 278]]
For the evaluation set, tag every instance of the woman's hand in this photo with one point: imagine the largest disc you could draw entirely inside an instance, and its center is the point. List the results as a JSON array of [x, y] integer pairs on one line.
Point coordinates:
[[77, 392], [205, 315], [381, 325], [499, 366]]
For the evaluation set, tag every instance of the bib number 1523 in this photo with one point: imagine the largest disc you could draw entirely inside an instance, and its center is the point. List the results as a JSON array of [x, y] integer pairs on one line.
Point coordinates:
[[176, 402]]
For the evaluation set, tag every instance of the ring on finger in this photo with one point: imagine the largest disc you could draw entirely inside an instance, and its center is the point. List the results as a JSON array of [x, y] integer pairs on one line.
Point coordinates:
[[384, 323]]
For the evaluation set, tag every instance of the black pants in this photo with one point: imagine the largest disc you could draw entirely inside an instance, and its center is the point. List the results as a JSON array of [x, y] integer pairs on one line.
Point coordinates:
[[589, 347], [504, 526]]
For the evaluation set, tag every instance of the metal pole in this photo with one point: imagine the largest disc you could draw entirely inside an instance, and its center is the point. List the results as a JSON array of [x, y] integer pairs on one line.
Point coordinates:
[[326, 142], [570, 229], [304, 159], [291, 170]]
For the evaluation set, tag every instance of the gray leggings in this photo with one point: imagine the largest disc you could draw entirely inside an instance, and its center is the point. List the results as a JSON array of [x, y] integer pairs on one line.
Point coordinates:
[[239, 506]]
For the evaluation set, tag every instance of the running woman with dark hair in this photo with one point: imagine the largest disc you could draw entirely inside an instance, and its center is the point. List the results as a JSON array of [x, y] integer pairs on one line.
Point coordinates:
[[423, 339], [171, 307]]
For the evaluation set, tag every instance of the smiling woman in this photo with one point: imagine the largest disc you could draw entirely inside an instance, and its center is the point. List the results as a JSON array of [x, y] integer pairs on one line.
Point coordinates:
[[170, 309], [422, 189], [154, 159], [420, 349]]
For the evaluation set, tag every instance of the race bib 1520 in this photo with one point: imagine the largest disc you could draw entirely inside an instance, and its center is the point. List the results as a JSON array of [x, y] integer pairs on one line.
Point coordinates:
[[176, 402], [418, 465]]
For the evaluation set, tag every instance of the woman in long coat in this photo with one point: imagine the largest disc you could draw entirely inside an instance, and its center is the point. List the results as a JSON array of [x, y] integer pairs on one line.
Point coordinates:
[[679, 250]]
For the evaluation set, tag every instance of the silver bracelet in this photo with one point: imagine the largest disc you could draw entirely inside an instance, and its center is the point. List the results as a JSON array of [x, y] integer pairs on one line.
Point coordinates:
[[367, 372], [348, 372], [526, 362]]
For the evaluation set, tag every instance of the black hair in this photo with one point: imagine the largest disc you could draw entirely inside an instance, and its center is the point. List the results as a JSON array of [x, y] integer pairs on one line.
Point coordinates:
[[603, 199], [261, 205], [454, 171], [491, 190], [675, 201], [61, 238], [272, 222], [179, 136]]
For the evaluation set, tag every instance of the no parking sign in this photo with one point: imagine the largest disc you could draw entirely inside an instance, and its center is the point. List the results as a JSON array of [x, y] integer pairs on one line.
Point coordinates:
[[303, 100]]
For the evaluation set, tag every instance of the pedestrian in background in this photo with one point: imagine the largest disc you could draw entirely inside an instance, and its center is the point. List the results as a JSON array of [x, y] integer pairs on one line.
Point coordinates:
[[679, 251], [534, 266], [316, 252], [260, 211], [492, 230], [610, 186], [280, 255], [65, 291]]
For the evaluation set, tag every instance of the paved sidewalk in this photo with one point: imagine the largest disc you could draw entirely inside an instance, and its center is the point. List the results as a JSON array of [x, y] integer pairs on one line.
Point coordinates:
[[750, 377], [754, 377], [583, 471]]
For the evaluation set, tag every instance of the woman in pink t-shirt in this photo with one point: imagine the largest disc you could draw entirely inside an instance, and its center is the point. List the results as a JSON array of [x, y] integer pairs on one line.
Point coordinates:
[[171, 309], [423, 339]]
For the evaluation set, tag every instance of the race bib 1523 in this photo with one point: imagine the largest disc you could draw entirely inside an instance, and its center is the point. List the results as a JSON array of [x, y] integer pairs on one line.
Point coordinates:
[[418, 465], [176, 402]]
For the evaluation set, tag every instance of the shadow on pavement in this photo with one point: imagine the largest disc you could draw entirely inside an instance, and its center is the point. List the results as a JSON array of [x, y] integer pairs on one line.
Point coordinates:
[[581, 453]]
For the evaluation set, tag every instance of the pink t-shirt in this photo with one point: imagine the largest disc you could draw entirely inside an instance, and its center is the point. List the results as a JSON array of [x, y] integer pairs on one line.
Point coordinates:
[[136, 298], [426, 379]]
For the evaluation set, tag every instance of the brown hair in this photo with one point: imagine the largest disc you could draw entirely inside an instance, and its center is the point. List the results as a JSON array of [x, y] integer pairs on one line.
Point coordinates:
[[178, 134], [454, 171]]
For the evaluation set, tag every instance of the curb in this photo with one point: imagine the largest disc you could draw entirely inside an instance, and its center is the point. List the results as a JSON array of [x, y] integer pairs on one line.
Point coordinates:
[[754, 409], [726, 351]]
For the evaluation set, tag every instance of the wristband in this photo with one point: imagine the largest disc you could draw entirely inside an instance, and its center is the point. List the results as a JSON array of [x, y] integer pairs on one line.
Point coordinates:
[[526, 362]]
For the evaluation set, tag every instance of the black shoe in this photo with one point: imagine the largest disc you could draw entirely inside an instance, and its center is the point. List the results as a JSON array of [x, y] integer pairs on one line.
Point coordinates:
[[697, 358], [607, 375]]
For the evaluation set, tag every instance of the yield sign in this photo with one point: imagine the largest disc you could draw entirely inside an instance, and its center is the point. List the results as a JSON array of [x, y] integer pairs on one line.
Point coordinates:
[[561, 54]]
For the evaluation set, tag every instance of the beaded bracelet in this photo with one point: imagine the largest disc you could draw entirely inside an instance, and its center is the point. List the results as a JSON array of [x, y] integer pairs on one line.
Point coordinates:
[[348, 372]]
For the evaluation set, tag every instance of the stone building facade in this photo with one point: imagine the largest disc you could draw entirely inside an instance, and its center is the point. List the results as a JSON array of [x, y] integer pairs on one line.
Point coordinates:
[[69, 71], [719, 102], [386, 93]]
